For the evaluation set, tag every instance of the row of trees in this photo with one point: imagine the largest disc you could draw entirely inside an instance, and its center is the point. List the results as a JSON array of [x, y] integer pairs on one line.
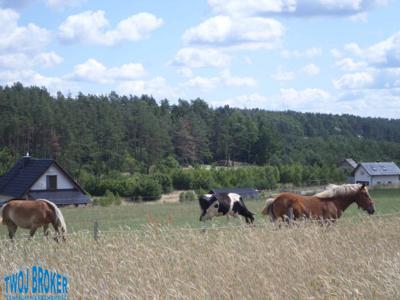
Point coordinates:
[[164, 179], [100, 136]]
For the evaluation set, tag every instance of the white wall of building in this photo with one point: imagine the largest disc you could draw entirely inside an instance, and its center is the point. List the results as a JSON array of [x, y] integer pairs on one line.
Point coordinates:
[[362, 175], [385, 180], [63, 181]]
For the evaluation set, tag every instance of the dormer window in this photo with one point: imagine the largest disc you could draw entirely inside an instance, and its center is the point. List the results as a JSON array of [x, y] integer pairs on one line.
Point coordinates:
[[51, 182]]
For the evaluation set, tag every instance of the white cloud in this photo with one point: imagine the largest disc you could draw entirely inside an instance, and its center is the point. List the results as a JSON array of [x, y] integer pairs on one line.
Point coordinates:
[[358, 102], [30, 77], [251, 7], [25, 61], [307, 53], [336, 53], [296, 98], [297, 8], [283, 75], [254, 100], [350, 65], [198, 58], [203, 83], [370, 79], [185, 72], [157, 87], [375, 103], [15, 38], [92, 27], [360, 17], [354, 81], [374, 67], [225, 78], [383, 54], [310, 69], [224, 31], [48, 59], [94, 71], [310, 99]]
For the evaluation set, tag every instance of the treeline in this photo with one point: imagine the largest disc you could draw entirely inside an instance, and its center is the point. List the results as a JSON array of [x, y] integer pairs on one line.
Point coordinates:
[[168, 175], [100, 136]]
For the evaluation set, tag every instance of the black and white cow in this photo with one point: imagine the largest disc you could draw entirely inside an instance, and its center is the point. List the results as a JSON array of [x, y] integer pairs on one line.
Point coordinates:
[[230, 204]]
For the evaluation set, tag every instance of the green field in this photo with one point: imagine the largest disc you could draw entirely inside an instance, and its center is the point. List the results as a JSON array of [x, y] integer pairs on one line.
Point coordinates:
[[137, 215]]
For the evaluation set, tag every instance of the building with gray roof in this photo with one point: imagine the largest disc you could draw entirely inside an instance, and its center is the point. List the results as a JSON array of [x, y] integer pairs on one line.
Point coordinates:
[[377, 173]]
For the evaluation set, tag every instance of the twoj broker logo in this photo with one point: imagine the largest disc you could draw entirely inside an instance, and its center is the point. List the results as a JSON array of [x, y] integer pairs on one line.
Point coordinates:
[[35, 283]]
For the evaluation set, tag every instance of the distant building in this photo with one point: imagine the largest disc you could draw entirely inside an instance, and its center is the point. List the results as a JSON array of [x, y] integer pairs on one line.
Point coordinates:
[[246, 193], [32, 178], [348, 165], [377, 173]]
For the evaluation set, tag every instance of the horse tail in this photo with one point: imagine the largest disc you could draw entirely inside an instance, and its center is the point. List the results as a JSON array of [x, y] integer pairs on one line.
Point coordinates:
[[268, 207], [59, 216], [1, 212]]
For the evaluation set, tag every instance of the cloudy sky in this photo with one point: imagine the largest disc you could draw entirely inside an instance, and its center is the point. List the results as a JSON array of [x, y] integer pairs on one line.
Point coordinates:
[[330, 56]]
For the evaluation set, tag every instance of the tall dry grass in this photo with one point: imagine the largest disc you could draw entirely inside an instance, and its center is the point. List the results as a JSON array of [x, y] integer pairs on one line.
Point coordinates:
[[351, 260]]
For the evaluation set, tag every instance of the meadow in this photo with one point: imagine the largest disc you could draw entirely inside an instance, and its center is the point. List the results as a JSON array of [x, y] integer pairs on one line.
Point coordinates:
[[135, 216], [160, 251], [358, 258]]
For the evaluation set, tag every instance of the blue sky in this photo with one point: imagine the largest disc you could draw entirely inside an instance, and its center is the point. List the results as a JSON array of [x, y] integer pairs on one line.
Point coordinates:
[[329, 56]]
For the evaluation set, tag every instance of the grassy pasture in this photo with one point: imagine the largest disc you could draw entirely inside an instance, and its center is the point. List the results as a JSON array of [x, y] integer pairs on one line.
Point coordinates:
[[137, 215], [352, 260], [356, 259]]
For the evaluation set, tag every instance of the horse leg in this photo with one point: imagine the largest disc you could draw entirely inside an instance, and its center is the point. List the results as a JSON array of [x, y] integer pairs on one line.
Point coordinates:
[[46, 230], [290, 215], [57, 230], [32, 232], [12, 229]]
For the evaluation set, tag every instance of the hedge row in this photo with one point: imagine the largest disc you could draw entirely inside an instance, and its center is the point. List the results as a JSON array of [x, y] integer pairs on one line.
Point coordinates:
[[150, 187]]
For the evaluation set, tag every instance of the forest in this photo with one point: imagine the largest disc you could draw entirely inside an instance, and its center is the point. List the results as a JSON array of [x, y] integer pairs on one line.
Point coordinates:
[[109, 138]]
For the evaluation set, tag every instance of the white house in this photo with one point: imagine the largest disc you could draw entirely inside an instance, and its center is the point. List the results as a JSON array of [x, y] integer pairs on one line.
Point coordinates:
[[32, 178], [377, 173]]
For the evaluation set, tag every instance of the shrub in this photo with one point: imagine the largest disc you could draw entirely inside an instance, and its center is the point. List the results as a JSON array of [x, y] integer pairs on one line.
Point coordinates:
[[148, 188], [108, 199], [165, 181], [182, 180]]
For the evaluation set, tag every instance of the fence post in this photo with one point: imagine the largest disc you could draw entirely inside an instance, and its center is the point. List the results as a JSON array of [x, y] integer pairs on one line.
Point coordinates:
[[96, 231]]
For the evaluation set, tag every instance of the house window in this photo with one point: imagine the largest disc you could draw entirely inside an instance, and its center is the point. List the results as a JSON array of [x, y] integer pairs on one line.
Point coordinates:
[[52, 182]]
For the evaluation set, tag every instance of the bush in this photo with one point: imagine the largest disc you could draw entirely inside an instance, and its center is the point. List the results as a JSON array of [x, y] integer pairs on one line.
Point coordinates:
[[108, 199], [182, 180], [148, 189], [165, 181]]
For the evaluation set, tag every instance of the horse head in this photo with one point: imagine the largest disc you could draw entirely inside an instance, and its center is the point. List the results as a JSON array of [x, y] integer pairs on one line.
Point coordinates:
[[364, 200]]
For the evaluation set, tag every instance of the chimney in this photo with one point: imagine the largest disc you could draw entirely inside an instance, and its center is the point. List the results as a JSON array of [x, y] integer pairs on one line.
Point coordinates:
[[26, 159]]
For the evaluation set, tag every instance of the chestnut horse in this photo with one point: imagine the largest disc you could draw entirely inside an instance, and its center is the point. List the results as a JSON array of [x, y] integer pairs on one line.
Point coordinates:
[[326, 205], [32, 214]]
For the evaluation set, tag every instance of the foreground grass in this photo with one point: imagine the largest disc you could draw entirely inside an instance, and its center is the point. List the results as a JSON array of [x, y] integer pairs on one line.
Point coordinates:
[[358, 258]]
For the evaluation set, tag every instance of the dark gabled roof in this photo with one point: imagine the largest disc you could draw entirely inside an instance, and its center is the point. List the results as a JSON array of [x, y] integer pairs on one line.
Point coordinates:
[[244, 192], [351, 162], [61, 197], [380, 168], [25, 173]]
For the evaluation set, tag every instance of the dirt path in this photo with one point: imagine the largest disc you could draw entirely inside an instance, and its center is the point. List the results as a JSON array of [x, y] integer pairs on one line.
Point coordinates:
[[170, 198]]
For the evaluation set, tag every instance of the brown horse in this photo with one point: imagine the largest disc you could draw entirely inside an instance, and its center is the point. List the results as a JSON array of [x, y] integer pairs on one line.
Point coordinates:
[[327, 205], [32, 214]]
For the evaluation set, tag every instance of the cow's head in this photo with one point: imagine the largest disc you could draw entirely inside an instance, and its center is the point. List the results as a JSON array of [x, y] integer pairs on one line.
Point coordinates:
[[209, 206]]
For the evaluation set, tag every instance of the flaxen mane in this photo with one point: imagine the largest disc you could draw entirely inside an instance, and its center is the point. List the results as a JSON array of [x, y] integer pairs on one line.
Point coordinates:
[[334, 190]]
